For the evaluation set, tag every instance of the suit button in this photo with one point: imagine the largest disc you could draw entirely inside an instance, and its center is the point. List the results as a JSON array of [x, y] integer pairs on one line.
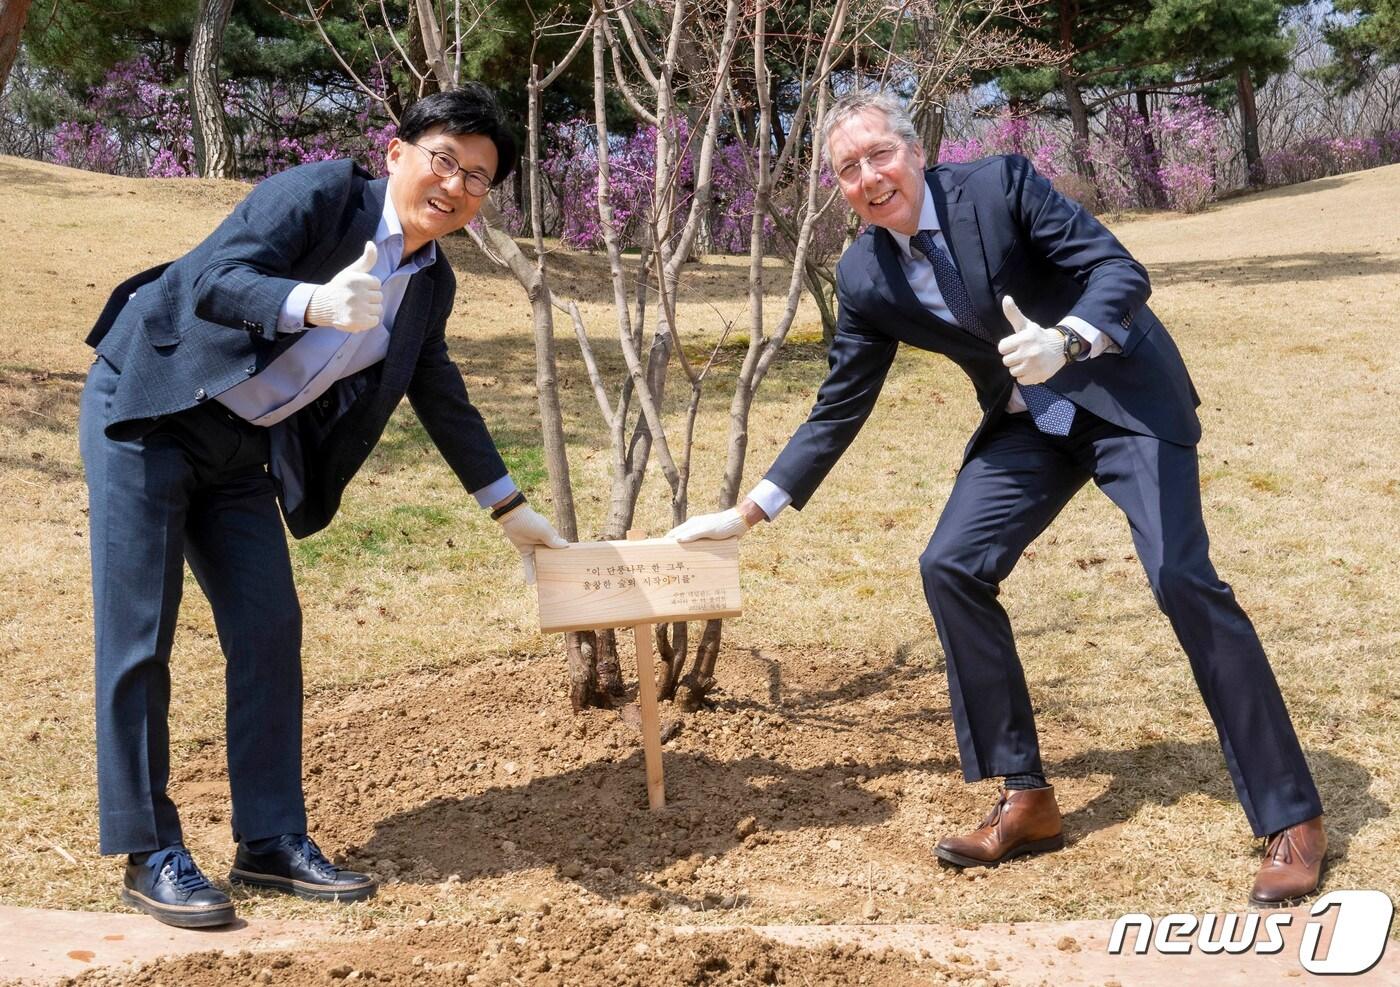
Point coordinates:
[[250, 369], [201, 395], [324, 404]]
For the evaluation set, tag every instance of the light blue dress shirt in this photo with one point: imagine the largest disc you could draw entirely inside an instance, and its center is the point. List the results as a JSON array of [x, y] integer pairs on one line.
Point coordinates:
[[324, 355]]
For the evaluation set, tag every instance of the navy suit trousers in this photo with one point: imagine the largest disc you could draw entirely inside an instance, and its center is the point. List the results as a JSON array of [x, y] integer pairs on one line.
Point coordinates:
[[196, 489], [1004, 497]]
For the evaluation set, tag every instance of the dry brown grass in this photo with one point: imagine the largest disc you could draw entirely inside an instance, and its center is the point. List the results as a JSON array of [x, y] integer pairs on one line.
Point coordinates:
[[1283, 305]]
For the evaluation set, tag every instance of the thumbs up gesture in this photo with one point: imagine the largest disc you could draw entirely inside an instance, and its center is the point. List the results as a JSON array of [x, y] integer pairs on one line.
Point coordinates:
[[350, 301], [1032, 353]]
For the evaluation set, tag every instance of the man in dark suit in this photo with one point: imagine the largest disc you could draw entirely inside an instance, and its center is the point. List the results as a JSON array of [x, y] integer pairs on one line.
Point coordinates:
[[1086, 384], [262, 367]]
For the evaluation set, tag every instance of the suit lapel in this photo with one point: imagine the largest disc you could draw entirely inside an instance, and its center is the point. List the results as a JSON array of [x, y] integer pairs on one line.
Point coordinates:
[[890, 276], [410, 324], [958, 219], [364, 223]]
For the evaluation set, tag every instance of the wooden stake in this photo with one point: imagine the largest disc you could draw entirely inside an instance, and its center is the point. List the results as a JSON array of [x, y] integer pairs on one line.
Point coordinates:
[[646, 704]]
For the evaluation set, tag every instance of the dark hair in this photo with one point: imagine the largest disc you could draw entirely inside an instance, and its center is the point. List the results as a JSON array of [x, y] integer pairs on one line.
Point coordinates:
[[469, 109]]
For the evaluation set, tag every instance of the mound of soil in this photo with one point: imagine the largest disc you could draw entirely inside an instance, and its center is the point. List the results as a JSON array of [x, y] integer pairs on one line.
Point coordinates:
[[542, 948]]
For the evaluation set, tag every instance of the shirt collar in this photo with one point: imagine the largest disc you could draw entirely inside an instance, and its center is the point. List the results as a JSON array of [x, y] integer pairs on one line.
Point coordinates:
[[390, 229], [928, 220]]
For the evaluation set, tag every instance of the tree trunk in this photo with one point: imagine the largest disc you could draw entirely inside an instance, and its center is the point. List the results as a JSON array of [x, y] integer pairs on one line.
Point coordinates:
[[430, 33], [12, 17], [780, 136], [213, 147], [522, 201], [1152, 180], [608, 683], [1249, 120], [1074, 100], [824, 296], [1079, 120], [417, 58], [581, 649], [672, 649], [701, 678], [928, 120]]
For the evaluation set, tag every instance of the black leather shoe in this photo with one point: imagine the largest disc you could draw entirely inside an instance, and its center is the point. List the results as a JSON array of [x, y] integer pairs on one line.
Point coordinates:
[[296, 865], [169, 887]]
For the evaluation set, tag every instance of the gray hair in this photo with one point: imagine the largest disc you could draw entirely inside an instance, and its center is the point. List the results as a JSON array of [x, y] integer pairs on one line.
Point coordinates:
[[854, 103]]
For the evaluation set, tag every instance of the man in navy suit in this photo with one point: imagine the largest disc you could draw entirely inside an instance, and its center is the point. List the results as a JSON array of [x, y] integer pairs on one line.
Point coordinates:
[[1046, 313], [261, 368]]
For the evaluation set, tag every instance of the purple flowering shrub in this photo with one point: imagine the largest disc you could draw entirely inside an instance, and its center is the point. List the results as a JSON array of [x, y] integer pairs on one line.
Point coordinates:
[[91, 146], [282, 131], [1012, 134], [571, 167], [1181, 166], [1192, 151], [1318, 157], [134, 123], [1175, 158], [1126, 173], [137, 122]]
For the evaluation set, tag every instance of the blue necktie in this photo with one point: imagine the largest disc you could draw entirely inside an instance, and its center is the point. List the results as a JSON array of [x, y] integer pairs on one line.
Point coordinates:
[[1052, 412]]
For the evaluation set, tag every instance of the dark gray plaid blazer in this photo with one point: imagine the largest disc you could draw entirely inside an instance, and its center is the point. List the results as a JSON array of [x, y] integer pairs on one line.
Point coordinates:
[[185, 331]]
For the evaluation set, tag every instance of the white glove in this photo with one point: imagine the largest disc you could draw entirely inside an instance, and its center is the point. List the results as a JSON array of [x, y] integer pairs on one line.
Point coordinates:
[[526, 528], [725, 524], [1032, 353], [350, 301]]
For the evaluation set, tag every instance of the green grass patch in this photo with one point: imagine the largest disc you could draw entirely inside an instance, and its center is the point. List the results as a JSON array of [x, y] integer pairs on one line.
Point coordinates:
[[524, 457], [406, 442], [401, 528]]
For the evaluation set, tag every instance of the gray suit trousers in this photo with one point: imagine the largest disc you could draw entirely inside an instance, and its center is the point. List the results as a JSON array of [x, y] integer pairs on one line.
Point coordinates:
[[196, 489]]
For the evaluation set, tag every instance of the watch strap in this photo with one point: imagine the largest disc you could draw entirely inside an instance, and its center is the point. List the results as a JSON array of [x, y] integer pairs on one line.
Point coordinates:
[[508, 506]]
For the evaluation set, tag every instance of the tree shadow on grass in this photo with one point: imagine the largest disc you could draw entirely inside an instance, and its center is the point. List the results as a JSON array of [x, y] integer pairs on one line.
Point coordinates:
[[37, 399], [1319, 265], [1162, 773], [39, 179], [813, 707], [1306, 188]]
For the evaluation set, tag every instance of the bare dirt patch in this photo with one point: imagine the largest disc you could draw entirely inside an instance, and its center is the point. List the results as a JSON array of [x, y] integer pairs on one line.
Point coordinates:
[[541, 949]]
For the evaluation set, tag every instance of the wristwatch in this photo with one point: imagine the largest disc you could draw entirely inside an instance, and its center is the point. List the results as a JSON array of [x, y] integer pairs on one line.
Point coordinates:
[[1076, 347]]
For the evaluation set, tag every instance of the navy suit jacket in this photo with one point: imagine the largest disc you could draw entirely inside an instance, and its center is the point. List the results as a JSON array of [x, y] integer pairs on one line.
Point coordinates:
[[1010, 233], [180, 333]]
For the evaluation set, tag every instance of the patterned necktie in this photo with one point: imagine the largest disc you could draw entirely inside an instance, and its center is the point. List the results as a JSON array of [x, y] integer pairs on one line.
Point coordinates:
[[1051, 411]]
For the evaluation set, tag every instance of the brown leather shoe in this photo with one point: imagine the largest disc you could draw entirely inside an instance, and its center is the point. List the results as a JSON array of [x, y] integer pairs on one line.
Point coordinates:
[[1025, 821], [1292, 865]]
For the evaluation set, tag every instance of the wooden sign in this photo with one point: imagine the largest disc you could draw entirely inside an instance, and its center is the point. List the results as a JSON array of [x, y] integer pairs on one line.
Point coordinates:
[[625, 583]]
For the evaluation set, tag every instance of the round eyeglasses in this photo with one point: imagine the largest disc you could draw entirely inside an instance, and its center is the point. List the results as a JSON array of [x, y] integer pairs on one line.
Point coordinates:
[[445, 165], [850, 172]]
